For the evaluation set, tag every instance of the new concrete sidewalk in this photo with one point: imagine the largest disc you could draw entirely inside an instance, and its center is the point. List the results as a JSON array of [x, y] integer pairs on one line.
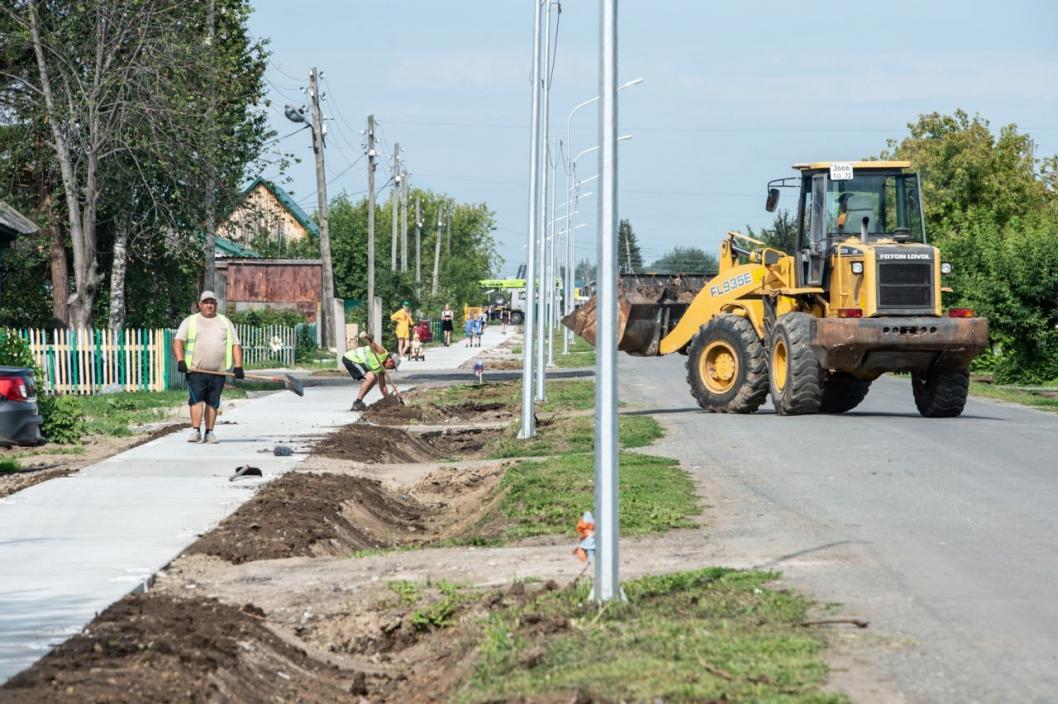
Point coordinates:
[[71, 546]]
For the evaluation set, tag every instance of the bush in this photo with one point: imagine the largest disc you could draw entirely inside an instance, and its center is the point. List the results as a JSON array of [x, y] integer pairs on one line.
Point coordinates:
[[64, 422], [304, 345], [14, 351], [268, 316]]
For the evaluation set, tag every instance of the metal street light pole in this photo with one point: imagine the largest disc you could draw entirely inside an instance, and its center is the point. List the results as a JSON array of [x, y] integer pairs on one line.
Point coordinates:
[[541, 394], [607, 460], [528, 427]]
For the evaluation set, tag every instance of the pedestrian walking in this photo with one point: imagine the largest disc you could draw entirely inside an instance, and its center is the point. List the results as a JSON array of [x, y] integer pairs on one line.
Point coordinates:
[[477, 324], [208, 341], [368, 364], [446, 323], [404, 324], [468, 328]]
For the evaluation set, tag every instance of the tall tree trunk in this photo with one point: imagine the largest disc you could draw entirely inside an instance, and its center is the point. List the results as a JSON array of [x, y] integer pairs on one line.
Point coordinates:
[[82, 221], [60, 272], [117, 279]]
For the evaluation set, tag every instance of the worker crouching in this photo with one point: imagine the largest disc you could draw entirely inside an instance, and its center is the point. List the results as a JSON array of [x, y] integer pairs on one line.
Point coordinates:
[[368, 365]]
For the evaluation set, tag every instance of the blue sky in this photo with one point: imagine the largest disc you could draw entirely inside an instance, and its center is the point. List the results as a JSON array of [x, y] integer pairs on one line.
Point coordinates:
[[733, 94]]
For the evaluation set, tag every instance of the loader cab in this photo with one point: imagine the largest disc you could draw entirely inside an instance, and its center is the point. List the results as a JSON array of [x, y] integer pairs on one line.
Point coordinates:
[[869, 201]]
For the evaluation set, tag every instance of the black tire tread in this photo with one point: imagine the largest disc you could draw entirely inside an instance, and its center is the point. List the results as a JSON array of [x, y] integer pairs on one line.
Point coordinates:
[[754, 387], [941, 392], [804, 388], [842, 393]]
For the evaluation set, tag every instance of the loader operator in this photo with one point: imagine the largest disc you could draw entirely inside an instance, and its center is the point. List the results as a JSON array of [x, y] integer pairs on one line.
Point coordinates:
[[368, 364], [206, 341]]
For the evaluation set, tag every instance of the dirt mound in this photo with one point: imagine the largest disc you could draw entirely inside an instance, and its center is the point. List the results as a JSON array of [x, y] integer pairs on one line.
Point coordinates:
[[390, 411], [157, 648], [303, 514], [373, 444]]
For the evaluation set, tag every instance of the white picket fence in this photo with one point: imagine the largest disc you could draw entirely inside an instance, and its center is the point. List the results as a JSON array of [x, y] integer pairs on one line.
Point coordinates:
[[272, 344]]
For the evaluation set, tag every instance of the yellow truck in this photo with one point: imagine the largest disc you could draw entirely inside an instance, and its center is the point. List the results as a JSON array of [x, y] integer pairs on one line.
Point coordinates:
[[861, 296]]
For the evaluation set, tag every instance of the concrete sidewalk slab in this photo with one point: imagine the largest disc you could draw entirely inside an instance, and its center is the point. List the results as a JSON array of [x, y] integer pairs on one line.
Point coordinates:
[[71, 546]]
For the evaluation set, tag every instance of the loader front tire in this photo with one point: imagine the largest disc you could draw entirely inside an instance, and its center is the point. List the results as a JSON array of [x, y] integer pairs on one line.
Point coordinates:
[[941, 392], [727, 366], [795, 374], [842, 392]]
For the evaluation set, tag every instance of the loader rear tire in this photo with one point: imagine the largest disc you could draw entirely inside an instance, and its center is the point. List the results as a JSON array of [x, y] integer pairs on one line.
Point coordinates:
[[842, 392], [727, 366], [517, 318], [795, 374], [941, 392]]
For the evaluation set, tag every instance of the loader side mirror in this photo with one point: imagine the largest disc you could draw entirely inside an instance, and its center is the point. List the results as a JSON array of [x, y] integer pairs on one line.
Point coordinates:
[[773, 200]]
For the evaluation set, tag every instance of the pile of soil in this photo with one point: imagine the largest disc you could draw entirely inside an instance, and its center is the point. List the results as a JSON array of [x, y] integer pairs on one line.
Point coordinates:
[[374, 444], [390, 411], [305, 514], [157, 648]]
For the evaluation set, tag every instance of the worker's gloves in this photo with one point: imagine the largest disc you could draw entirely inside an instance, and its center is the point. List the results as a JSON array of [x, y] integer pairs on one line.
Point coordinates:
[[239, 373], [181, 367]]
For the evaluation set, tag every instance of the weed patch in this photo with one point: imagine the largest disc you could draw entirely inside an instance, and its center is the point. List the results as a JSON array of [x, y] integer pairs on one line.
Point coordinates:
[[8, 465], [707, 635]]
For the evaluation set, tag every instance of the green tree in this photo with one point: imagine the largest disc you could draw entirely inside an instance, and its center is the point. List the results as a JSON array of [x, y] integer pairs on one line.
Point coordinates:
[[473, 255], [782, 235], [628, 253], [996, 221], [139, 148], [686, 260]]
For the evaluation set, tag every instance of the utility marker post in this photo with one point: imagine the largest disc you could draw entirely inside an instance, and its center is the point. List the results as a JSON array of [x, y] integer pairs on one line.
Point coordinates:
[[327, 299], [528, 427], [394, 197], [371, 227], [607, 459]]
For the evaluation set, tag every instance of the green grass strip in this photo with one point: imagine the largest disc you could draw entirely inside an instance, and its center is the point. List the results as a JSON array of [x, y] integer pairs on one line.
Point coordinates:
[[705, 635], [547, 497]]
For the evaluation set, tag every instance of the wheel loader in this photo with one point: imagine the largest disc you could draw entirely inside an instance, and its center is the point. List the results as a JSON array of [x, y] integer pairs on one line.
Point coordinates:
[[861, 296]]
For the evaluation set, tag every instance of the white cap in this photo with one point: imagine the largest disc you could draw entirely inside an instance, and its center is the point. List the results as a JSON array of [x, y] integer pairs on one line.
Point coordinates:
[[207, 295]]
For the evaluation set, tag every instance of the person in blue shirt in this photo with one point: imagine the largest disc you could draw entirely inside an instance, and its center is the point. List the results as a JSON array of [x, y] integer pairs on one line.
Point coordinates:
[[469, 329], [476, 327]]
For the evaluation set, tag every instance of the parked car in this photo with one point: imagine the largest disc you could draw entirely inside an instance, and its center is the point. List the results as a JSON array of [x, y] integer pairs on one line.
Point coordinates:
[[20, 418], [423, 329]]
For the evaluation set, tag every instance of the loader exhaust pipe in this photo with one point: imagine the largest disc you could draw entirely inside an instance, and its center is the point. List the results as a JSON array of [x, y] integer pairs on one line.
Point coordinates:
[[863, 229]]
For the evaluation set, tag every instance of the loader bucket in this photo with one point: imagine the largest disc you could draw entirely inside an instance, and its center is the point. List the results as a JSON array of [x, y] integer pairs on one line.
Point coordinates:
[[648, 307]]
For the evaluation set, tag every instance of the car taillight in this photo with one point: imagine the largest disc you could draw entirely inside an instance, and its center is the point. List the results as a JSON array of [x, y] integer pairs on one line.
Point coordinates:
[[13, 388], [960, 312], [850, 312]]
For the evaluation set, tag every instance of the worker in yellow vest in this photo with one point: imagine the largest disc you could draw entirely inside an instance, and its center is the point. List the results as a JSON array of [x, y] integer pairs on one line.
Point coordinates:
[[368, 364], [206, 340]]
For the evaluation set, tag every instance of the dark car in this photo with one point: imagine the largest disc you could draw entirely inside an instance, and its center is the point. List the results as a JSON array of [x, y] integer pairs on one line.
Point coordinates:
[[423, 329], [19, 417]]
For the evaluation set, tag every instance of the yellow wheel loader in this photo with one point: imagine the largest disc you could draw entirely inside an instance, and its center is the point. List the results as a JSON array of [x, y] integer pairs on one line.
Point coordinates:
[[861, 296]]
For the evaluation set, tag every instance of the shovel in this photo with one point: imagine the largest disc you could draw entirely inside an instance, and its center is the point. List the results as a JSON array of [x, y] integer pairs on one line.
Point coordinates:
[[396, 392], [288, 382]]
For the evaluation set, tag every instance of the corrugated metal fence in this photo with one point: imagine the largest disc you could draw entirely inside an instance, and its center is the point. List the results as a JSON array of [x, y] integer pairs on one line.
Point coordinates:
[[140, 359]]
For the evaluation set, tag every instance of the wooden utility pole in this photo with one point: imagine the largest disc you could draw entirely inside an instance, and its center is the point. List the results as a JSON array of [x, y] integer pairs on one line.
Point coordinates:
[[371, 226], [418, 243], [327, 297], [209, 274], [404, 221], [435, 285], [394, 197]]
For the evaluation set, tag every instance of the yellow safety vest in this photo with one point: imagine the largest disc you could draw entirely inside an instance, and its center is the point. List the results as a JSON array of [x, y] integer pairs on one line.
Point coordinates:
[[192, 334], [364, 357]]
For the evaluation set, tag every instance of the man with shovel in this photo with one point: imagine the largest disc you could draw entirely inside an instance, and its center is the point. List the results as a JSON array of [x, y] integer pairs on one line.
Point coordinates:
[[206, 341]]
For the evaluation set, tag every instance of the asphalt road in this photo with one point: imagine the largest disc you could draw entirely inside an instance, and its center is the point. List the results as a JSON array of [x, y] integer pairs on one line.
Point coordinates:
[[942, 532]]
